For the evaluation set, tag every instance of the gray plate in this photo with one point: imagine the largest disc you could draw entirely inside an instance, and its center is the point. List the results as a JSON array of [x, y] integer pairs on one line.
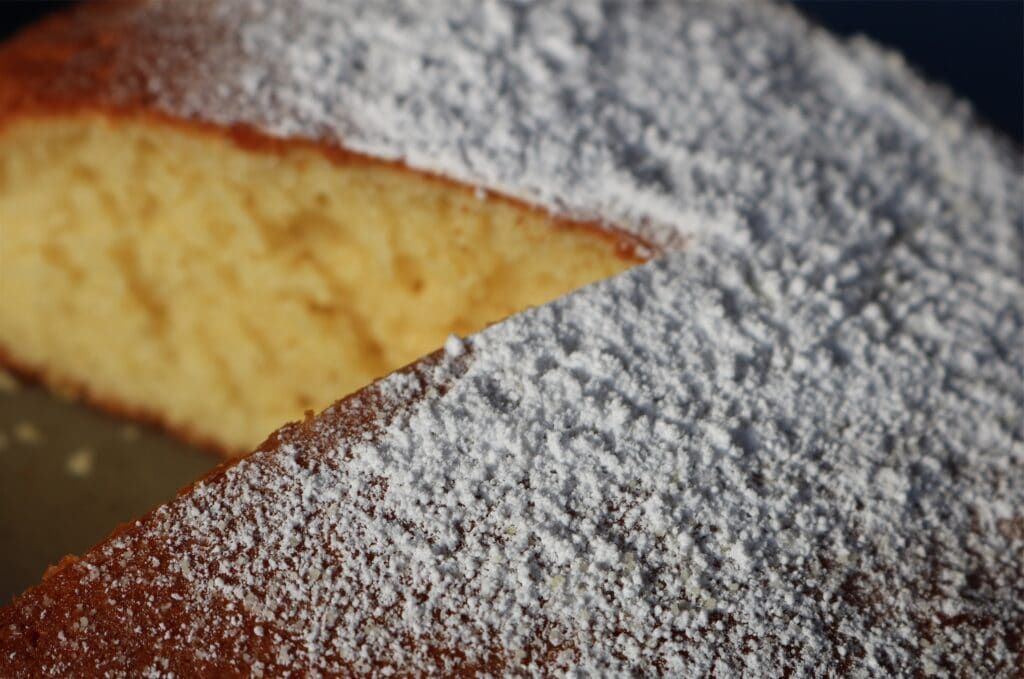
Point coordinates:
[[69, 475]]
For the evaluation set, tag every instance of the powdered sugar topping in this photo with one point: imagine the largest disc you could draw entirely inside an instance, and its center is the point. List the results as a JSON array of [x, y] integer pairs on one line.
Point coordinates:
[[796, 446]]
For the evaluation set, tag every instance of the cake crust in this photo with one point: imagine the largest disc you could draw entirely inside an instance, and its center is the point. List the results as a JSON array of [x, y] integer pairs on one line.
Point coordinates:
[[42, 633]]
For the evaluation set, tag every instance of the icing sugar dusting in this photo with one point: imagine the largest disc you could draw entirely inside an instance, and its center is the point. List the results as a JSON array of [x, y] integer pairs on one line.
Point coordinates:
[[795, 447], [454, 346]]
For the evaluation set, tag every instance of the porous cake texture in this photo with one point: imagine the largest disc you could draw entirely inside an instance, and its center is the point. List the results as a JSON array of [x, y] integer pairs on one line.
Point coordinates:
[[222, 291]]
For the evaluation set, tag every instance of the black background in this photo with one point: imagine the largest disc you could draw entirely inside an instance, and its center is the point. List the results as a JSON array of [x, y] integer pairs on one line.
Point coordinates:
[[976, 47]]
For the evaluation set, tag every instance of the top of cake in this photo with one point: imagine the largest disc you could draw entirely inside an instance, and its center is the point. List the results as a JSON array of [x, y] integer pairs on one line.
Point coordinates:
[[794, 445]]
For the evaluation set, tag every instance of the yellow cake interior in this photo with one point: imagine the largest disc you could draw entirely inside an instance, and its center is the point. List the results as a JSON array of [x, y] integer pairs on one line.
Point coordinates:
[[227, 290]]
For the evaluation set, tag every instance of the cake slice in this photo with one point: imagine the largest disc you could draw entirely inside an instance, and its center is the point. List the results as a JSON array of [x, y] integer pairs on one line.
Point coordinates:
[[222, 281]]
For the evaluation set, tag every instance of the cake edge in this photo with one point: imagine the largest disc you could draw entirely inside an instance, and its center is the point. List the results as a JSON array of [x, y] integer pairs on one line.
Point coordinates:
[[364, 412], [627, 246]]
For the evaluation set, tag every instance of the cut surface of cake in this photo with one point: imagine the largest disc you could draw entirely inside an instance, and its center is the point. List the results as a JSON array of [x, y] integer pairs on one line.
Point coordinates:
[[222, 290], [794, 446]]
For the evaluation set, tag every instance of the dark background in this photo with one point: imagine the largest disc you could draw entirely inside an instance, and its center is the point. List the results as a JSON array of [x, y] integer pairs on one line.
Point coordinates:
[[976, 47]]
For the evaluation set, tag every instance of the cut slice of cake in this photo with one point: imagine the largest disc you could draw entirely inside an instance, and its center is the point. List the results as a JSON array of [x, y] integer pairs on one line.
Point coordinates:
[[217, 276], [221, 284]]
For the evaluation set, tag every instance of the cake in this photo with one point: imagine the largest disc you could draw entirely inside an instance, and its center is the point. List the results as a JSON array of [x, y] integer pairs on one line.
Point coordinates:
[[790, 443]]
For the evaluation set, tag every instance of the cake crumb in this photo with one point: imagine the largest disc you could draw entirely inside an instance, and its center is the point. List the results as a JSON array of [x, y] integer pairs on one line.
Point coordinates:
[[27, 433], [80, 463], [130, 433]]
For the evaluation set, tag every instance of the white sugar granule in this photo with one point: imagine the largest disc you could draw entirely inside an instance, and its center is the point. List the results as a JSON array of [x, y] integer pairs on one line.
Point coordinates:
[[454, 347]]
